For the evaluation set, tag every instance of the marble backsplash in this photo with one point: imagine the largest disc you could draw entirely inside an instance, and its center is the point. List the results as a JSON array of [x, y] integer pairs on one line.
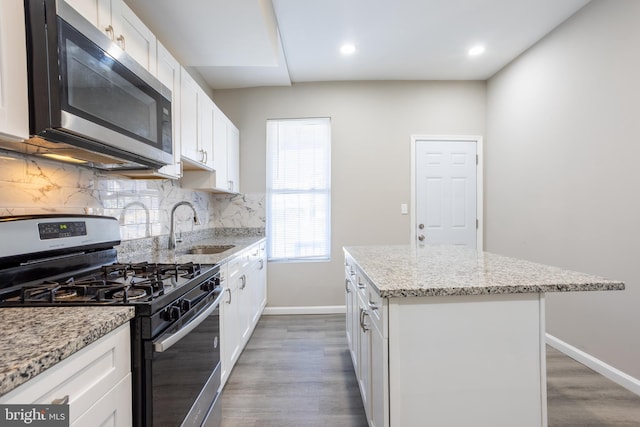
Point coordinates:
[[30, 185]]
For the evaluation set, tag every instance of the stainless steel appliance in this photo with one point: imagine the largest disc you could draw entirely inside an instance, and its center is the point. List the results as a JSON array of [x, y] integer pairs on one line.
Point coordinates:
[[71, 260], [88, 99]]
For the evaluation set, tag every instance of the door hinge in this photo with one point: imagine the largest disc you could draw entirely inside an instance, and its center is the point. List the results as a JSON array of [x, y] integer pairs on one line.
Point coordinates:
[[477, 160], [477, 224]]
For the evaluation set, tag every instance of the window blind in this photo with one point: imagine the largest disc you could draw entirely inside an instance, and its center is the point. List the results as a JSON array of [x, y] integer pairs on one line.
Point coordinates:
[[299, 189]]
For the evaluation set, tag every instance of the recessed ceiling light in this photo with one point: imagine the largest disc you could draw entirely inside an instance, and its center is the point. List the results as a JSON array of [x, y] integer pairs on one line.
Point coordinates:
[[347, 49], [476, 50]]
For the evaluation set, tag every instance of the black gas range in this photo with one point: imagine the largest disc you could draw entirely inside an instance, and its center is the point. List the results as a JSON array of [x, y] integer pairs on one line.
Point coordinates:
[[66, 260]]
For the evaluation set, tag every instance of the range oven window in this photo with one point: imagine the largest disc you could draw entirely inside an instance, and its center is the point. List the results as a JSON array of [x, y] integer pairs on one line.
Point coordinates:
[[98, 88]]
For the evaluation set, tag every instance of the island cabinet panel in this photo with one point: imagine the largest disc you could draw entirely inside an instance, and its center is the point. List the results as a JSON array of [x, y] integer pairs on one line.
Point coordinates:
[[467, 360]]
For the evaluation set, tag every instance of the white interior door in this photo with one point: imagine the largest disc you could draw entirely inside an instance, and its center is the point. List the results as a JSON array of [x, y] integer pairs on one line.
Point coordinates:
[[446, 192]]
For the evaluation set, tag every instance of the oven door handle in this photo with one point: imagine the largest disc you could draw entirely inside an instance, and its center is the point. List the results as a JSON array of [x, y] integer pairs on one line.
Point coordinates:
[[166, 341]]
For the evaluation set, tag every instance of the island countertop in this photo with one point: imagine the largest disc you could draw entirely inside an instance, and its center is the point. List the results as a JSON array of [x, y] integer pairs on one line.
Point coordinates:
[[406, 271]]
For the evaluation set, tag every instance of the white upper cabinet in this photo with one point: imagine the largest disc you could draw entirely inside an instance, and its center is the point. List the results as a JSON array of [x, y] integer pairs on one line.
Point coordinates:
[[121, 25], [133, 36], [233, 158], [220, 147], [14, 104], [169, 75], [196, 125], [205, 139], [226, 146]]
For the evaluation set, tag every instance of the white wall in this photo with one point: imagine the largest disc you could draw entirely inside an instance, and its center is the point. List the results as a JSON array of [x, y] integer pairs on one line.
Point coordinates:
[[371, 127], [562, 180]]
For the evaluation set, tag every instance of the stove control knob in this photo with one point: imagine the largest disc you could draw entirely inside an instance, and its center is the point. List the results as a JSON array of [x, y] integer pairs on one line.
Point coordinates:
[[171, 313], [208, 286], [185, 305]]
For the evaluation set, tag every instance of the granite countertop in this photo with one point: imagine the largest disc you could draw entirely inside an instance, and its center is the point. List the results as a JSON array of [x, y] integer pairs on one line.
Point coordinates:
[[405, 271], [35, 339], [144, 250]]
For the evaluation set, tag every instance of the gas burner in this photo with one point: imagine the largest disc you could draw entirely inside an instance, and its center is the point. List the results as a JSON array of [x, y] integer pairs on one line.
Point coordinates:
[[130, 294], [64, 294]]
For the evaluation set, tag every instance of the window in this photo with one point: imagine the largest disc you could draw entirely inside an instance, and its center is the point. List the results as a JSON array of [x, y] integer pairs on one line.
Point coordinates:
[[299, 189]]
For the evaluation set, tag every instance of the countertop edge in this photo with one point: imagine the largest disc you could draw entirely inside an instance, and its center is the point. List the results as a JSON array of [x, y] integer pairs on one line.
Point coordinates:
[[597, 284]]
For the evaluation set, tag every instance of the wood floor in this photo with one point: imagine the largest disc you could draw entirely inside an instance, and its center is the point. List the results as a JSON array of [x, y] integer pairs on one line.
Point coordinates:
[[296, 372]]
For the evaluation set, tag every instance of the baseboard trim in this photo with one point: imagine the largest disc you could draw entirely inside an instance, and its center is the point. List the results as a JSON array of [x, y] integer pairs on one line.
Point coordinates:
[[322, 309], [617, 376]]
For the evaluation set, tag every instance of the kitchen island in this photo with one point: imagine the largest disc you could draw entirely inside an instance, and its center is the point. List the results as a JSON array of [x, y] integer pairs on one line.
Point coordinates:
[[451, 336]]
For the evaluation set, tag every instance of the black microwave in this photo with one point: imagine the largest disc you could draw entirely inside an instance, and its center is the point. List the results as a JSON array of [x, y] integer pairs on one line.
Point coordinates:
[[89, 101]]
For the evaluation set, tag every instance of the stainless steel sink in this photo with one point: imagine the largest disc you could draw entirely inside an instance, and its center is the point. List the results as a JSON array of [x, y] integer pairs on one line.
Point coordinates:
[[209, 249]]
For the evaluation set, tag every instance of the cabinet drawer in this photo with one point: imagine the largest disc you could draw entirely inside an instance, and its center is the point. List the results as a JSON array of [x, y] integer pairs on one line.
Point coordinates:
[[85, 376], [234, 267], [377, 309], [253, 253]]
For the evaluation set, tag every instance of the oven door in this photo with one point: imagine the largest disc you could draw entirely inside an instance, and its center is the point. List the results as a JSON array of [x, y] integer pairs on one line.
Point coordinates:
[[185, 371]]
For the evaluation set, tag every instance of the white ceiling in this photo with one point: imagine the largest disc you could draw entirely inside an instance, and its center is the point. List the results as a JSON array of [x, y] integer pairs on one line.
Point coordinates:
[[246, 43]]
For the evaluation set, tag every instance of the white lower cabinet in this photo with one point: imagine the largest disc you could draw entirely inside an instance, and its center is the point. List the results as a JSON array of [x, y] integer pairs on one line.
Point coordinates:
[[244, 285], [368, 342], [96, 380]]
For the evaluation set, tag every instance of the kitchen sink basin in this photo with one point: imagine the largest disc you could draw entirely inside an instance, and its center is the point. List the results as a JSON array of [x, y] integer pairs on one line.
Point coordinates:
[[210, 249]]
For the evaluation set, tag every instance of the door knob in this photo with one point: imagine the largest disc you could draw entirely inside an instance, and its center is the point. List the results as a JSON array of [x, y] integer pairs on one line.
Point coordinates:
[[420, 226], [421, 237]]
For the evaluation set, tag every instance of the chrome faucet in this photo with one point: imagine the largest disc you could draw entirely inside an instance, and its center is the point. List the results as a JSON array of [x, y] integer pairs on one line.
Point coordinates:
[[172, 235]]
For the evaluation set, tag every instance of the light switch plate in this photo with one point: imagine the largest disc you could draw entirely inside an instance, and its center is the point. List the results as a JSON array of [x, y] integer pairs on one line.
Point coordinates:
[[404, 209]]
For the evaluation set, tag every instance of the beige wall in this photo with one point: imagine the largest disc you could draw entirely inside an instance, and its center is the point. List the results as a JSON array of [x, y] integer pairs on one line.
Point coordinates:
[[371, 127], [562, 183]]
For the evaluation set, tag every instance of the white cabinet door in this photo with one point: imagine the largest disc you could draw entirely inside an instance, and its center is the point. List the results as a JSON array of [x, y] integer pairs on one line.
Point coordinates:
[[133, 36], [98, 12], [233, 158], [121, 25], [189, 105], [196, 126], [220, 147], [352, 325], [379, 380], [230, 343], [113, 409], [205, 137], [364, 356], [244, 301], [258, 282], [14, 104], [169, 75]]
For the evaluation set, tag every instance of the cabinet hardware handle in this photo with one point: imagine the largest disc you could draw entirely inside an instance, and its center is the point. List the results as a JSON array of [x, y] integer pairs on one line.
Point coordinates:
[[62, 401], [109, 31], [346, 285], [261, 264], [229, 290], [421, 237], [363, 324], [206, 156], [361, 285], [373, 305], [244, 281], [120, 39]]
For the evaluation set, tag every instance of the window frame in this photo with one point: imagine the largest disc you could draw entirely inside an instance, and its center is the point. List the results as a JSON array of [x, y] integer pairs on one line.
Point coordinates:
[[271, 192]]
